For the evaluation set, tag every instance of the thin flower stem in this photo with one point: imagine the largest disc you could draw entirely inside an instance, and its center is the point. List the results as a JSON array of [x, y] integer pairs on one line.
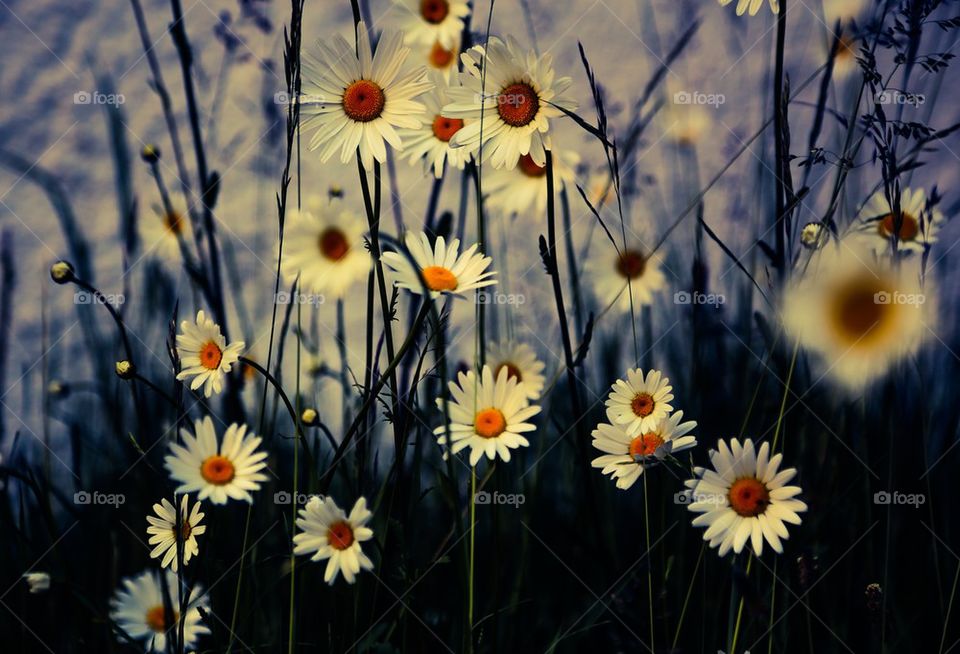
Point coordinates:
[[646, 530], [686, 599], [473, 531], [736, 628]]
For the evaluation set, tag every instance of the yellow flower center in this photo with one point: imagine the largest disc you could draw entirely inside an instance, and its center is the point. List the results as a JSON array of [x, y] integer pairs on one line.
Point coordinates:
[[518, 104], [489, 423], [333, 244], [642, 405], [631, 264], [748, 497], [363, 101], [645, 445], [434, 11], [156, 619], [340, 535], [210, 355], [854, 310], [438, 278], [444, 128], [512, 371], [909, 226], [530, 168], [217, 470]]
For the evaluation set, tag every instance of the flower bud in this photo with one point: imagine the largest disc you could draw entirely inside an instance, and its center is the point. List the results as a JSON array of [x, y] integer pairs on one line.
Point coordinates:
[[125, 369], [62, 272]]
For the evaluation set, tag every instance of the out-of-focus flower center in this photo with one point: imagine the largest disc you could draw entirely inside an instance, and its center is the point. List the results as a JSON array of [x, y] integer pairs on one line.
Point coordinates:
[[909, 227], [748, 497], [363, 101], [440, 57], [210, 355], [856, 308], [156, 619], [340, 535], [333, 244], [173, 221], [530, 168], [512, 371], [631, 264], [518, 104], [645, 445], [444, 128], [434, 11], [438, 278], [217, 470], [489, 423], [642, 404]]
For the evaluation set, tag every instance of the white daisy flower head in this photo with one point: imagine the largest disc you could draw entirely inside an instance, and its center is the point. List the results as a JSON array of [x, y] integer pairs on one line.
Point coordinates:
[[430, 143], [918, 224], [488, 415], [356, 101], [640, 402], [217, 471], [516, 93], [751, 6], [744, 498], [432, 21], [137, 608], [442, 268], [521, 363], [162, 233], [860, 313], [39, 582], [612, 272], [524, 188], [205, 355], [163, 531], [326, 532], [324, 245], [628, 456]]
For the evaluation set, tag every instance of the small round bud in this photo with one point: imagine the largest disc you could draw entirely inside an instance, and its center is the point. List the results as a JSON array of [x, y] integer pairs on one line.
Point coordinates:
[[814, 235], [125, 369], [150, 153], [62, 272], [309, 417]]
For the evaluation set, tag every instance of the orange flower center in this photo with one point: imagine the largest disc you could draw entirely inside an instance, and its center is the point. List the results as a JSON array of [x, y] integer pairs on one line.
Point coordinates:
[[645, 445], [210, 355], [748, 497], [512, 371], [518, 104], [217, 470], [333, 244], [909, 226], [631, 264], [854, 310], [173, 221], [440, 57], [156, 619], [489, 423], [642, 404], [363, 101], [438, 278], [444, 128], [434, 11], [340, 535], [185, 529], [530, 168]]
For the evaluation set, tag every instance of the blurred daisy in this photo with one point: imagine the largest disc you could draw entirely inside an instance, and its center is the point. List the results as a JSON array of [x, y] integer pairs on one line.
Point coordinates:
[[163, 531], [39, 582], [488, 416], [611, 272], [745, 497], [640, 402], [753, 6], [918, 226], [521, 364], [356, 101], [137, 608], [843, 10], [432, 21], [443, 61], [516, 190], [600, 190], [628, 456], [845, 61], [516, 93], [205, 355], [861, 315], [684, 124], [431, 141], [324, 245], [327, 532], [439, 267], [163, 232], [219, 472]]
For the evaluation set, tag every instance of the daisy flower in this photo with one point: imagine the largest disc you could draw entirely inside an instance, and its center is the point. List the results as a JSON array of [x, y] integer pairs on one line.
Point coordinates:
[[611, 272], [358, 101], [163, 531], [219, 472], [441, 269], [640, 402], [431, 141], [137, 608], [845, 61], [744, 497], [327, 532], [918, 226], [163, 232], [516, 190], [432, 21], [442, 61], [860, 314], [205, 355], [628, 456], [487, 416], [516, 100], [684, 124], [521, 364], [843, 10], [752, 5], [324, 246]]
